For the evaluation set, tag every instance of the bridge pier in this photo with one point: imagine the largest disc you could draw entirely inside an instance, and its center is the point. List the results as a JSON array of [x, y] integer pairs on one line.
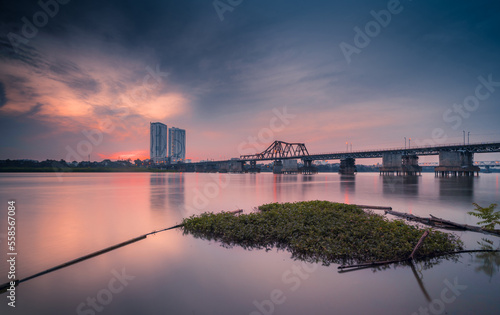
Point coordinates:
[[399, 164], [184, 167], [290, 167], [206, 167], [308, 168], [347, 166], [223, 167], [277, 167], [456, 163], [231, 166], [410, 165], [253, 167]]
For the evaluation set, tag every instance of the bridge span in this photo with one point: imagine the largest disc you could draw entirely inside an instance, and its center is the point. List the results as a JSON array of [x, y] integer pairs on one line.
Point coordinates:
[[454, 159], [283, 150]]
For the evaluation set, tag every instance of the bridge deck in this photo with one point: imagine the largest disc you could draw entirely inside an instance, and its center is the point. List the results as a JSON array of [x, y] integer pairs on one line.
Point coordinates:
[[425, 150]]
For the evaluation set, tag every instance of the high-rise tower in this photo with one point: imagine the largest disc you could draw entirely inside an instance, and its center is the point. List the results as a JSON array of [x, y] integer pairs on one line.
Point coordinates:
[[176, 144], [158, 143]]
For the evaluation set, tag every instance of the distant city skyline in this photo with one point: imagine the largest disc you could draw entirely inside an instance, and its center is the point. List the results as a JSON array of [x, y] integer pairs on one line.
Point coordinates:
[[90, 78], [167, 145]]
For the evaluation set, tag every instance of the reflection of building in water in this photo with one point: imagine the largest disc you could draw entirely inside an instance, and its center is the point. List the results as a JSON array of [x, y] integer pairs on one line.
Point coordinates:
[[176, 193], [461, 187], [347, 186], [400, 185], [163, 187], [157, 191]]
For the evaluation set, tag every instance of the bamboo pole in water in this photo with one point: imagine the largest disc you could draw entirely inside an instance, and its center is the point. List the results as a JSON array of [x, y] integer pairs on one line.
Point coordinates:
[[441, 223], [420, 242], [5, 286], [373, 207], [74, 261]]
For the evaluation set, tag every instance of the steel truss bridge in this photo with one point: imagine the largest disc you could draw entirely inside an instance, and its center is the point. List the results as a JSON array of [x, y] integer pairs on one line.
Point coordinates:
[[280, 150]]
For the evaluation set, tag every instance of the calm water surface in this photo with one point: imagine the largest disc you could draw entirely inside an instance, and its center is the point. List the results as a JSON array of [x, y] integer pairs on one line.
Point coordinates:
[[61, 218]]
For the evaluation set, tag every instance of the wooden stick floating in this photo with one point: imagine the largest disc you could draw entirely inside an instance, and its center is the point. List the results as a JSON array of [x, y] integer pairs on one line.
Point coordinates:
[[380, 263], [420, 242], [373, 207], [441, 223], [5, 286]]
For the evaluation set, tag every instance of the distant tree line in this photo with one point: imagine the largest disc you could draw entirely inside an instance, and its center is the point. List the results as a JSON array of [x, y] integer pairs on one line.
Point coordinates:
[[62, 165]]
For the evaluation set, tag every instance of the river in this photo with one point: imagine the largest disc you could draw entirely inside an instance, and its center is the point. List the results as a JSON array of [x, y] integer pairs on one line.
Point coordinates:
[[60, 217]]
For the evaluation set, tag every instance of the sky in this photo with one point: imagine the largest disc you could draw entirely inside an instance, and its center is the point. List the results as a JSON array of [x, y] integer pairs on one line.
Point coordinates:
[[80, 78]]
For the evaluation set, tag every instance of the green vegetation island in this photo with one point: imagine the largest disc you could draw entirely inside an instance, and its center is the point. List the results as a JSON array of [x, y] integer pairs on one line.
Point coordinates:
[[322, 231]]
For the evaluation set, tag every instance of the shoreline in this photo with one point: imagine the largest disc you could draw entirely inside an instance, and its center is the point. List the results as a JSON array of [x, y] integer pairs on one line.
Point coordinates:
[[83, 170]]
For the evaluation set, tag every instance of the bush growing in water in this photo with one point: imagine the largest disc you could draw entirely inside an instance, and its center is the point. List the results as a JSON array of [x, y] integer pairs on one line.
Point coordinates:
[[320, 231], [488, 214]]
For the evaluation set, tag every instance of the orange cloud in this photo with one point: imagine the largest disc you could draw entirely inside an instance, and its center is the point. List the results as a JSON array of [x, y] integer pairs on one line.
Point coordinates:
[[164, 106], [83, 92], [124, 155]]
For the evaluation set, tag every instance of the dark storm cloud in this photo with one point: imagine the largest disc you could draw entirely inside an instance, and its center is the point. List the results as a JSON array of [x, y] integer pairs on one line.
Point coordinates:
[[22, 86], [58, 69], [74, 77], [33, 110], [25, 53]]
